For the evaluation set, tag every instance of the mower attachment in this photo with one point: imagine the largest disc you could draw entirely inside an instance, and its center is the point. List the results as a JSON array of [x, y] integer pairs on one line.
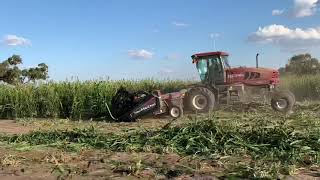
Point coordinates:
[[129, 106]]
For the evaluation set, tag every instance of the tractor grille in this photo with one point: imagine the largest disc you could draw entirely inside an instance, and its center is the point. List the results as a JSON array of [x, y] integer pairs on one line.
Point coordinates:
[[275, 78]]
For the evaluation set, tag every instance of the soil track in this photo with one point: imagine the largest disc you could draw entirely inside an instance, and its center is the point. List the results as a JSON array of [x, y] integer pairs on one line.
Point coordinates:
[[52, 164], [22, 127], [11, 127]]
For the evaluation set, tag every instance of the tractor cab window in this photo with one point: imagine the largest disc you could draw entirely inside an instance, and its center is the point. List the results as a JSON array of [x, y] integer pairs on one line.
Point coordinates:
[[202, 69], [215, 65], [211, 69], [216, 70], [225, 61]]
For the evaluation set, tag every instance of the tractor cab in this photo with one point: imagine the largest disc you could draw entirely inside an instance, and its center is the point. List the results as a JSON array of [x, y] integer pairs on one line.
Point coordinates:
[[211, 66]]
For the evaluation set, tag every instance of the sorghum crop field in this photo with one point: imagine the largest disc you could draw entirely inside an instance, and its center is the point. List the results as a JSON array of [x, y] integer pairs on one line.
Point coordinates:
[[55, 134]]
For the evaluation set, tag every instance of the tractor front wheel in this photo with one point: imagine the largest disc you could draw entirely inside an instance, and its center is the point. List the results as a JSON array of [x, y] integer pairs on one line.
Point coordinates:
[[176, 112], [200, 99], [282, 101]]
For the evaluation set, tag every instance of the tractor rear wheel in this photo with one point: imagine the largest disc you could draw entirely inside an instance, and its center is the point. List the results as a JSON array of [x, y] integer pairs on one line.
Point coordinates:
[[282, 101], [200, 99]]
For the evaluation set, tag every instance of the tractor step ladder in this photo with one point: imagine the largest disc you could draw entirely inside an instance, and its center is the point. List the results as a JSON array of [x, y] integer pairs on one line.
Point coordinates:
[[234, 93]]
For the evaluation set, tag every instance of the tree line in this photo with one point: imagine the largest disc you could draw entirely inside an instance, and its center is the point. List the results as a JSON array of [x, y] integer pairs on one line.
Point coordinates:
[[301, 64], [12, 73]]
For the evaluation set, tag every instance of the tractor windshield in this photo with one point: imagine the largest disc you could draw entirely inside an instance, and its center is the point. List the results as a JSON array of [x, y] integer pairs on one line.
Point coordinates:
[[202, 67]]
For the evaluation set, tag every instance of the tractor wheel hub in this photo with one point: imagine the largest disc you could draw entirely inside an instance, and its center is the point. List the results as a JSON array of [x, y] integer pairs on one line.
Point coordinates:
[[282, 103], [175, 112], [200, 102]]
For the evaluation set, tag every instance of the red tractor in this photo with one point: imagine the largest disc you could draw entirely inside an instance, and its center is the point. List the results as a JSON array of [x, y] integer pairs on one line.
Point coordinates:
[[221, 83]]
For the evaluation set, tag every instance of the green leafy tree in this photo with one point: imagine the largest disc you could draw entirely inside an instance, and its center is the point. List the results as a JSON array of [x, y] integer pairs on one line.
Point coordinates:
[[12, 74], [303, 64]]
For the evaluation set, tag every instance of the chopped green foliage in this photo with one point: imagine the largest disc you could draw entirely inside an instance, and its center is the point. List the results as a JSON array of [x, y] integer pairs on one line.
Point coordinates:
[[265, 144]]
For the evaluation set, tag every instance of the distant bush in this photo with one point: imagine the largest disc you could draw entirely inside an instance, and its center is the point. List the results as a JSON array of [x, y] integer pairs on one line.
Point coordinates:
[[301, 64]]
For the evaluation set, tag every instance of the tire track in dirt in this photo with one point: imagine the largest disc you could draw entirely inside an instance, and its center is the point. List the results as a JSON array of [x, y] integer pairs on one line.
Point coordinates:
[[12, 127]]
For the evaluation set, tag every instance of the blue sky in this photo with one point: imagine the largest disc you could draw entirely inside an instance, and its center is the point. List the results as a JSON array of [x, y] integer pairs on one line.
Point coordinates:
[[131, 39]]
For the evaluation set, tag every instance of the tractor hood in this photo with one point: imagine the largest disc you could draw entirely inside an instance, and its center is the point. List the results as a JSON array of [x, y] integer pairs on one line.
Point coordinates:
[[254, 76], [260, 69]]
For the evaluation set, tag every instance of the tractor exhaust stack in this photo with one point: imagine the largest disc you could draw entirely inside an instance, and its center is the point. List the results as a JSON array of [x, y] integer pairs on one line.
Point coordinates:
[[257, 60]]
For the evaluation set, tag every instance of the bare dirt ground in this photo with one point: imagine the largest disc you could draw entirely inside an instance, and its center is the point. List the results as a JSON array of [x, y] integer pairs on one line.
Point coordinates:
[[51, 163], [11, 127], [26, 126], [92, 164]]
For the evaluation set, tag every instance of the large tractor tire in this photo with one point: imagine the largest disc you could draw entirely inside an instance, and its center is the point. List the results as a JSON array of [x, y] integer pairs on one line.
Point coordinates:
[[292, 95], [282, 101], [200, 99]]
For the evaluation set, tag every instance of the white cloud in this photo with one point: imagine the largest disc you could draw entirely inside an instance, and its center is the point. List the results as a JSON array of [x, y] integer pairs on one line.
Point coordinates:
[[300, 9], [277, 12], [304, 8], [180, 24], [140, 54], [13, 40], [287, 39]]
